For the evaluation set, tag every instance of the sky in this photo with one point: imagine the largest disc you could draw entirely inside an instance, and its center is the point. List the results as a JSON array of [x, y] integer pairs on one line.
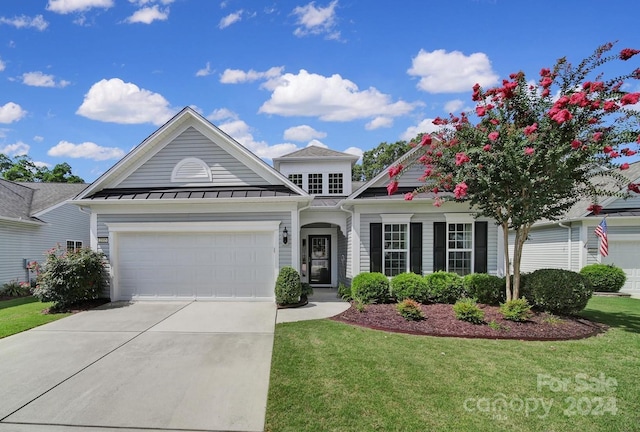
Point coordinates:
[[85, 81]]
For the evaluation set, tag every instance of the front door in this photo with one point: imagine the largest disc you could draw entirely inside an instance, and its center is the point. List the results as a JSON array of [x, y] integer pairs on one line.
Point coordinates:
[[320, 259]]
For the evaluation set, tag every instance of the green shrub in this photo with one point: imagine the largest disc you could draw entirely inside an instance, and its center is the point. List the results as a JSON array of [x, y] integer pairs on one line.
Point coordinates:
[[288, 287], [604, 277], [15, 289], [344, 292], [444, 287], [306, 289], [370, 288], [467, 309], [410, 310], [71, 277], [485, 288], [516, 310], [409, 285], [558, 291]]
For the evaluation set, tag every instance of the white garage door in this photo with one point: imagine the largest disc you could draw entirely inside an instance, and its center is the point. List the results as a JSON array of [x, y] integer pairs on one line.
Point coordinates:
[[624, 254], [201, 265]]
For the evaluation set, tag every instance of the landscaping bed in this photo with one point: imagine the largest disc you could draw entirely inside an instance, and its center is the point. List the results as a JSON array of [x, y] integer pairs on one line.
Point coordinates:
[[441, 321]]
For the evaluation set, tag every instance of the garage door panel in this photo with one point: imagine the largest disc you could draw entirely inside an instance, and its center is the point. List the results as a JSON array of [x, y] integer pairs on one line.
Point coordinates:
[[195, 265], [624, 254]]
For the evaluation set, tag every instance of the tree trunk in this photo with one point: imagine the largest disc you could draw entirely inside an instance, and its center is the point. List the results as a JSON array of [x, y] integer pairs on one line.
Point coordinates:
[[507, 264], [521, 236]]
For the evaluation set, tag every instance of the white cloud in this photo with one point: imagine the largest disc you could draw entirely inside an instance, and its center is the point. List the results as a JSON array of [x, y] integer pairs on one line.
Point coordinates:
[[302, 133], [453, 105], [236, 76], [222, 114], [241, 132], [37, 22], [115, 101], [147, 15], [230, 19], [379, 122], [38, 138], [425, 126], [317, 143], [85, 150], [205, 71], [70, 6], [355, 151], [42, 164], [443, 72], [315, 21], [39, 79], [2, 65], [16, 149], [11, 112], [329, 98]]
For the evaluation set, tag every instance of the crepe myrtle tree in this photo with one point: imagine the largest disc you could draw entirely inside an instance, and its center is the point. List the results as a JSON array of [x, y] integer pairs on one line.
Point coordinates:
[[538, 148]]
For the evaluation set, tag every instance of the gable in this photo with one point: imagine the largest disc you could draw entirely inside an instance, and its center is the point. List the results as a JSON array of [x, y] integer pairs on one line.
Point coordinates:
[[182, 155], [410, 178]]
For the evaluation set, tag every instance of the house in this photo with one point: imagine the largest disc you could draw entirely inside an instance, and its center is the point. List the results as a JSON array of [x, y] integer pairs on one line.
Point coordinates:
[[35, 217], [571, 243], [190, 213]]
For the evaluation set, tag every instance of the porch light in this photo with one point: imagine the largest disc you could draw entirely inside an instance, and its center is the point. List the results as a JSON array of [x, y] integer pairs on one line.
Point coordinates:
[[285, 236]]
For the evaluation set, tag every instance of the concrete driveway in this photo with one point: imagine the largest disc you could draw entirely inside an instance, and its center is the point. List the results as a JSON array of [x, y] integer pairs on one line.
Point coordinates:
[[147, 365]]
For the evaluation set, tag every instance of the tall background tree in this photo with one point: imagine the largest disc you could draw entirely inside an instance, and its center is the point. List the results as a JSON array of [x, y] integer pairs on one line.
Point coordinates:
[[538, 148], [23, 169], [376, 160]]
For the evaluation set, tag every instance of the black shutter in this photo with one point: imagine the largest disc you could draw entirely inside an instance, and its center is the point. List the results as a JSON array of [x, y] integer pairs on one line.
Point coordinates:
[[480, 247], [439, 246], [375, 238], [415, 253]]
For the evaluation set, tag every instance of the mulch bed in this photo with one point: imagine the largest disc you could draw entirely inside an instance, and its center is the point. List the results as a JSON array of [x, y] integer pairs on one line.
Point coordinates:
[[441, 321], [79, 307]]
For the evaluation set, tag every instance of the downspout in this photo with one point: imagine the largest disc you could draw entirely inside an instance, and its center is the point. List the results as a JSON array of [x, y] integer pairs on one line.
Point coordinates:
[[560, 224]]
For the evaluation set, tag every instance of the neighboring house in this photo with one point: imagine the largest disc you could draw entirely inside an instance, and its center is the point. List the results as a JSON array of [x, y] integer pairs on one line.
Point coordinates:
[[35, 217], [191, 213], [571, 243]]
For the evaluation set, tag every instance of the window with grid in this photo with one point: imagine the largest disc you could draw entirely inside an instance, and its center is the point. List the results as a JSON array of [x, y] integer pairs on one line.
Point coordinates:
[[296, 179], [315, 184], [395, 249], [73, 245], [335, 183], [460, 248]]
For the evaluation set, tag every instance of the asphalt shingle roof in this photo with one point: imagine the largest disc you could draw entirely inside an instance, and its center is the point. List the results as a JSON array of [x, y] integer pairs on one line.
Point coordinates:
[[315, 152], [23, 200]]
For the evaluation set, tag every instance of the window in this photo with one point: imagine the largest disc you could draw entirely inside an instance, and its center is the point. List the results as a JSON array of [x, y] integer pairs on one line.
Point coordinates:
[[296, 179], [315, 184], [73, 245], [459, 248], [335, 183], [395, 249]]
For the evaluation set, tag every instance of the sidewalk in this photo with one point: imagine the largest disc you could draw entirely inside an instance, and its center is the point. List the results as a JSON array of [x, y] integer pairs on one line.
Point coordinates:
[[323, 303]]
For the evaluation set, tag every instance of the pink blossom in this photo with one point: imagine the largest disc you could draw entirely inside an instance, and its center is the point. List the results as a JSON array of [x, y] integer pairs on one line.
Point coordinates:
[[610, 106], [593, 120], [634, 187], [481, 111], [562, 102], [627, 53], [435, 190], [546, 82], [614, 154], [392, 188], [545, 72], [638, 139], [579, 99], [630, 99], [438, 121], [562, 116], [395, 170], [597, 136], [529, 151], [595, 208], [528, 130], [437, 202], [494, 122], [408, 196], [624, 166], [546, 92], [575, 144], [494, 136], [607, 149], [628, 152], [426, 140], [460, 190], [487, 147], [461, 158]]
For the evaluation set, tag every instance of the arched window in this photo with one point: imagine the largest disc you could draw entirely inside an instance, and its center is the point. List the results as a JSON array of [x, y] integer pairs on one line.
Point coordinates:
[[191, 170]]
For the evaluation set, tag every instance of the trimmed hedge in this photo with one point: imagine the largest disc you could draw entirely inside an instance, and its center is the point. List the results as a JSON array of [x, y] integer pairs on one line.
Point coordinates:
[[409, 286], [557, 291], [604, 277], [485, 288], [370, 288], [288, 287], [444, 287]]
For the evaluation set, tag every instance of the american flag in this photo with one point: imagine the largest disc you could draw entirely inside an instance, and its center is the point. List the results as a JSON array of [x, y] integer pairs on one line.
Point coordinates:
[[601, 231]]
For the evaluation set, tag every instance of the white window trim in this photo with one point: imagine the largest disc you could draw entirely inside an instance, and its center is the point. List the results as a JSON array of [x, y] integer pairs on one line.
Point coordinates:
[[473, 228], [323, 183], [75, 244], [339, 176], [191, 160]]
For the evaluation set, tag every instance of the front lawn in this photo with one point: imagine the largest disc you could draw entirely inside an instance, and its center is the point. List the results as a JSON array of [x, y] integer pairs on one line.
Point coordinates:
[[329, 376], [23, 313]]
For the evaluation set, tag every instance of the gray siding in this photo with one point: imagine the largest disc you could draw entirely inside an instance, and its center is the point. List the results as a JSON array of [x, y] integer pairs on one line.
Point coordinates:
[[19, 241], [546, 247], [349, 273], [226, 170], [576, 247], [632, 202]]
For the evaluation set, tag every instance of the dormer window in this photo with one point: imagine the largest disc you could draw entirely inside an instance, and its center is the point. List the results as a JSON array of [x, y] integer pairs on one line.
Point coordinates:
[[191, 170], [335, 183], [315, 184], [296, 179]]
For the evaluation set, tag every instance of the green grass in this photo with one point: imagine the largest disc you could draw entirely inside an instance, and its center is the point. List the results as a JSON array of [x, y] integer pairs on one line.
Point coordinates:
[[329, 376], [23, 313]]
